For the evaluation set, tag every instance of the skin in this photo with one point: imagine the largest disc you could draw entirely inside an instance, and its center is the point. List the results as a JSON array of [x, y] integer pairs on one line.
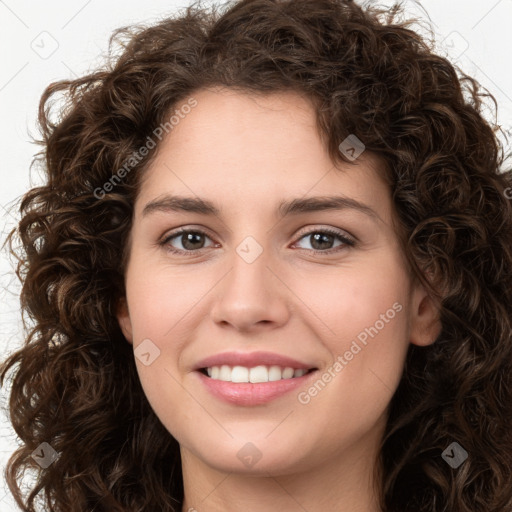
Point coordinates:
[[247, 153]]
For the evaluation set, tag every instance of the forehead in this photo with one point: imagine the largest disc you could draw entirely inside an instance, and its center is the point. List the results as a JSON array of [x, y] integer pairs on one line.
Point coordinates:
[[253, 150], [231, 123]]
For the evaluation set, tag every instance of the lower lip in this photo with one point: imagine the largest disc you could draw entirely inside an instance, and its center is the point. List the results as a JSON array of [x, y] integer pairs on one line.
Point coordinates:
[[247, 393]]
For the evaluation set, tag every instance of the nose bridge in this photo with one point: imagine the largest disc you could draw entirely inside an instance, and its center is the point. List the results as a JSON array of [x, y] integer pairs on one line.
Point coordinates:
[[249, 277], [250, 292]]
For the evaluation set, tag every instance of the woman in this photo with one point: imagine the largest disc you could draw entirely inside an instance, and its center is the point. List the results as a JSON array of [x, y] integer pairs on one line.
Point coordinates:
[[340, 336]]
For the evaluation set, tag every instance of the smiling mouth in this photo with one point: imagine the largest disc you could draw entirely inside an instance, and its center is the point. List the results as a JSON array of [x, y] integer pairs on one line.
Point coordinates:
[[256, 374]]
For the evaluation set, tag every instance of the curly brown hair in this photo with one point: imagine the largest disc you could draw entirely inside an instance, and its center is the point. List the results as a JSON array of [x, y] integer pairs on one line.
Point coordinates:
[[76, 385]]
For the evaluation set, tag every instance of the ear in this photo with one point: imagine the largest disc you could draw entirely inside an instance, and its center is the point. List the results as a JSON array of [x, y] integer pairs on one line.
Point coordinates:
[[425, 322], [123, 317]]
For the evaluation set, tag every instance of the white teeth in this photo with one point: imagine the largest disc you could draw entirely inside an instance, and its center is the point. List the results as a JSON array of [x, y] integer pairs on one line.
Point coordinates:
[[288, 373], [225, 373], [254, 375], [274, 373], [258, 374], [240, 374]]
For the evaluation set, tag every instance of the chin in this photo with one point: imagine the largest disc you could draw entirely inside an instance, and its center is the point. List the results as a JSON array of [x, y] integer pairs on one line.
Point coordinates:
[[256, 458]]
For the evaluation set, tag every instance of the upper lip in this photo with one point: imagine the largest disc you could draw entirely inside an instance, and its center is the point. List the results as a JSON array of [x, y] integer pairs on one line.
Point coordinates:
[[251, 359]]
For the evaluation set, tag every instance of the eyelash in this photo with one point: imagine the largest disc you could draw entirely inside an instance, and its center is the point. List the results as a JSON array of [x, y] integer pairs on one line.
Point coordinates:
[[346, 241]]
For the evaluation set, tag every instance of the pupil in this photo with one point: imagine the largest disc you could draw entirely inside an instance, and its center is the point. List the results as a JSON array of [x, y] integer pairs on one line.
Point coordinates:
[[317, 239], [189, 238]]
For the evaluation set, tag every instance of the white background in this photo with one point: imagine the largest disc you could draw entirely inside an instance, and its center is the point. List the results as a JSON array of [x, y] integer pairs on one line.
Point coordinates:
[[475, 35]]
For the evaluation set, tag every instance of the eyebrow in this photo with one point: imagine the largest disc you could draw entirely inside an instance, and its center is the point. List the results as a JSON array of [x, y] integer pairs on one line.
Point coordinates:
[[289, 207]]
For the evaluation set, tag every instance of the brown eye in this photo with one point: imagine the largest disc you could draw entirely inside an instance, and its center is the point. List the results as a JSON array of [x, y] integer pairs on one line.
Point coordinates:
[[190, 240], [322, 240]]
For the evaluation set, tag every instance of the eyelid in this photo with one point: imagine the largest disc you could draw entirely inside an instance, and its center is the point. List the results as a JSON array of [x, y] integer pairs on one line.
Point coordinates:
[[329, 229], [164, 239]]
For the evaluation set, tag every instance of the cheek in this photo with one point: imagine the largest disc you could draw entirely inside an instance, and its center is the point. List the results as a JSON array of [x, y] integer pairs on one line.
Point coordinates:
[[362, 317], [160, 303], [160, 298], [365, 294]]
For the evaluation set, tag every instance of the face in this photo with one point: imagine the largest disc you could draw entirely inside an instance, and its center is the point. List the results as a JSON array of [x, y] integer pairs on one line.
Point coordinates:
[[257, 287]]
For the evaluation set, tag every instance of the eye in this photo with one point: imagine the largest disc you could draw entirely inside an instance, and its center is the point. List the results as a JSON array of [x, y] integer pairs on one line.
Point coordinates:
[[190, 240], [321, 240]]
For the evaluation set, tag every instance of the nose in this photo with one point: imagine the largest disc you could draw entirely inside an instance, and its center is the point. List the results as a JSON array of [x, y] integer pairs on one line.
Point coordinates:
[[253, 295]]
